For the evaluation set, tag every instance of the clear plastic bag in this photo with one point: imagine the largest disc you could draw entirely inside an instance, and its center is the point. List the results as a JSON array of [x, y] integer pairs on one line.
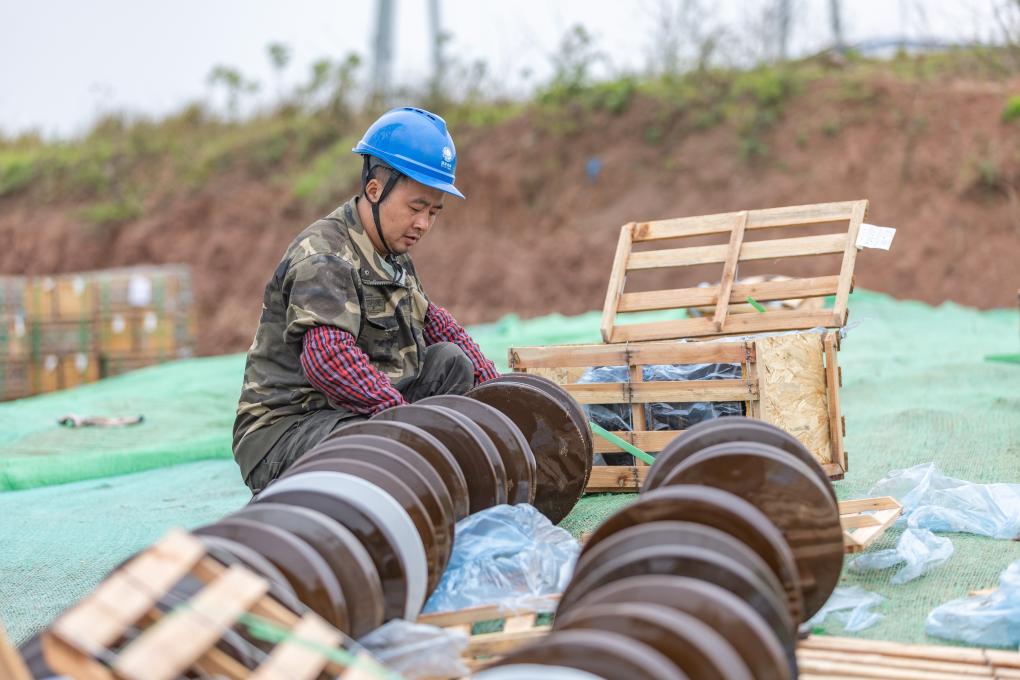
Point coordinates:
[[919, 550], [659, 415], [417, 650], [991, 620], [936, 502], [508, 555], [852, 607]]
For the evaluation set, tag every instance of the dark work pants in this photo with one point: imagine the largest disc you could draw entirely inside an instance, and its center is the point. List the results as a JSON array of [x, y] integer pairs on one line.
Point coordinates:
[[445, 370]]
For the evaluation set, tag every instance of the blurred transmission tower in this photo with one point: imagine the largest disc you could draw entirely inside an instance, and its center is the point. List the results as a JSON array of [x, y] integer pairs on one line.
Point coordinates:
[[382, 50]]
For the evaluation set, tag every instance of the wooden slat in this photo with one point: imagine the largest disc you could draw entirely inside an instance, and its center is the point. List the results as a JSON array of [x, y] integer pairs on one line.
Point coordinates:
[[764, 291], [167, 649], [617, 278], [867, 504], [567, 356], [487, 612], [846, 270], [637, 409], [664, 391], [729, 271], [756, 219], [832, 400], [12, 667], [646, 440], [290, 660], [616, 478], [776, 320], [66, 660], [799, 246], [124, 597]]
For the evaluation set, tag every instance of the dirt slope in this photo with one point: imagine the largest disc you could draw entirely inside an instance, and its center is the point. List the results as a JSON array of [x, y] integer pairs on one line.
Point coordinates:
[[537, 235]]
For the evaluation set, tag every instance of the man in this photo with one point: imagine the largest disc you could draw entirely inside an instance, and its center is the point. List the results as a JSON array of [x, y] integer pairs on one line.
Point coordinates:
[[346, 328]]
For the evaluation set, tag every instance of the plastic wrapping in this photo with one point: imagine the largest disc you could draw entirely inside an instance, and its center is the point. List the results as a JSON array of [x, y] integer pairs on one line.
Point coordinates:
[[659, 415], [416, 650], [919, 550], [851, 606], [507, 555], [936, 502], [991, 620]]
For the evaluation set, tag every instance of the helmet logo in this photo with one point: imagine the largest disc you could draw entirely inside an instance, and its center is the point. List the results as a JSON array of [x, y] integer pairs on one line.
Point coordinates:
[[447, 157]]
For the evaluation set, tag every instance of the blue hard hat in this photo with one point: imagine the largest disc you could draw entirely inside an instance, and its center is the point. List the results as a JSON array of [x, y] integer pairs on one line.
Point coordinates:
[[417, 144]]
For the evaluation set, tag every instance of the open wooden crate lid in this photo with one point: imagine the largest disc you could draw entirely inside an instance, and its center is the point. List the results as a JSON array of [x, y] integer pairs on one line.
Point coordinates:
[[847, 215]]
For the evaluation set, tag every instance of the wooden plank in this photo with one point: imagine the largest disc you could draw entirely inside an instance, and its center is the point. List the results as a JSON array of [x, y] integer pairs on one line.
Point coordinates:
[[962, 670], [756, 219], [489, 644], [617, 279], [664, 391], [488, 612], [638, 420], [564, 356], [125, 596], [834, 471], [165, 650], [729, 271], [814, 666], [846, 270], [12, 666], [798, 246], [764, 291], [858, 540], [68, 661], [829, 341], [773, 320], [646, 440], [867, 504], [291, 660], [616, 478]]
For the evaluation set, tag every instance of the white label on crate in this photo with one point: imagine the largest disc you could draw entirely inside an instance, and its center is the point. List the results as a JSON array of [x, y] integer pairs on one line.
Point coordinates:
[[139, 291], [50, 362], [78, 284], [872, 236], [150, 322], [19, 325], [117, 323], [48, 284], [81, 362]]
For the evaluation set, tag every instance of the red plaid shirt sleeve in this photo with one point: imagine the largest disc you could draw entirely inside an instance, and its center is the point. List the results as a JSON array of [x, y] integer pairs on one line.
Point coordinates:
[[337, 367], [440, 326]]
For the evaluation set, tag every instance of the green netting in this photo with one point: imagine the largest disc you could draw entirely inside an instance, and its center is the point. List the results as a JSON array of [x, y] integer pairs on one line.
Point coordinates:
[[917, 389]]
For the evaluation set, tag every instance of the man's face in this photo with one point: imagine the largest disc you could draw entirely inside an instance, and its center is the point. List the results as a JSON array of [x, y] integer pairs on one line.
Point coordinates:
[[406, 215]]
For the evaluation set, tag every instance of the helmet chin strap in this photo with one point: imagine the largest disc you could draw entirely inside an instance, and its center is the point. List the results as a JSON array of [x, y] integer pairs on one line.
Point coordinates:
[[366, 174]]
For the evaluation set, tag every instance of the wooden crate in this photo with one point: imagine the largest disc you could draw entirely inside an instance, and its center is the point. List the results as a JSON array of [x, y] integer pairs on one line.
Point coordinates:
[[865, 520], [829, 657], [727, 319], [789, 380], [88, 640], [52, 372], [147, 332]]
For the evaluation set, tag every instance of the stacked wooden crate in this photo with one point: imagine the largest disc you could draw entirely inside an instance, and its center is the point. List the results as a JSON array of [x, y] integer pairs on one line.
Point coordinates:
[[60, 331]]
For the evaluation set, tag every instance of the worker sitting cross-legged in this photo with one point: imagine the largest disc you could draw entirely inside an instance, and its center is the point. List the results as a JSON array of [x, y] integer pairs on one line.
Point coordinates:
[[346, 328]]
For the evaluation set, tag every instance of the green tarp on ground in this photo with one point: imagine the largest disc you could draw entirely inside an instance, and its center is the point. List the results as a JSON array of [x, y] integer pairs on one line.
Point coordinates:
[[917, 389]]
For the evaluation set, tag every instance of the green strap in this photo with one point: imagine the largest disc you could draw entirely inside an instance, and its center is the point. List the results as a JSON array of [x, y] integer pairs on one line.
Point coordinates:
[[754, 303], [623, 444]]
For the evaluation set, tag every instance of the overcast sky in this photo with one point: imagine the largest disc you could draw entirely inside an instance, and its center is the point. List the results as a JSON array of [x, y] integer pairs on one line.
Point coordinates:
[[63, 62]]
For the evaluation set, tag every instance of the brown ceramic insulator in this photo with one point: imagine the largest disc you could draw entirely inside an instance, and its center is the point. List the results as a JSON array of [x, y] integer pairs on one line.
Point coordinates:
[[486, 446], [610, 656], [721, 510], [242, 554], [303, 567], [562, 396], [793, 499], [485, 488], [376, 539], [731, 429], [679, 533], [560, 451], [518, 460], [404, 462], [401, 492], [685, 560], [428, 447], [726, 613], [346, 557], [693, 647]]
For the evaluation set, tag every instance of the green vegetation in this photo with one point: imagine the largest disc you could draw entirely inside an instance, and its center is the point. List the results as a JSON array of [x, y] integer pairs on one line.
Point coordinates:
[[302, 139]]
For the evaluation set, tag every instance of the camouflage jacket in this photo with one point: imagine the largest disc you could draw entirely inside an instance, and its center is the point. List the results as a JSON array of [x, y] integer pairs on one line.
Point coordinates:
[[331, 275]]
